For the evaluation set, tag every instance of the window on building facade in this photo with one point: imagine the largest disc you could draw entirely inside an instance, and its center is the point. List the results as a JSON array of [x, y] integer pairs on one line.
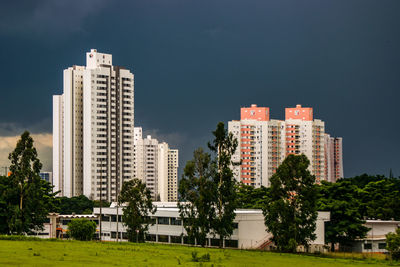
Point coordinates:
[[368, 246], [163, 220]]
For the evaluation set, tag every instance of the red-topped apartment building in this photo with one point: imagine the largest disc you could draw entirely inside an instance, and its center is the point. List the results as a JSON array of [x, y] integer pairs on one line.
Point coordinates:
[[264, 144]]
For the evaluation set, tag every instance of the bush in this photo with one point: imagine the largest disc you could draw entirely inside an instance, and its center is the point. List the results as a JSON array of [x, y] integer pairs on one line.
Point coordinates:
[[393, 244], [204, 258], [82, 229]]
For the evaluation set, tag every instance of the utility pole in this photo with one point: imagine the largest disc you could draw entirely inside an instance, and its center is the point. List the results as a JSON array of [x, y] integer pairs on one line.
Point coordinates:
[[116, 193]]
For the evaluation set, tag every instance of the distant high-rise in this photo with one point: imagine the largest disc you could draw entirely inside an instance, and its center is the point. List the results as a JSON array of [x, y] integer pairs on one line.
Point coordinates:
[[265, 143], [93, 122], [334, 158], [157, 166]]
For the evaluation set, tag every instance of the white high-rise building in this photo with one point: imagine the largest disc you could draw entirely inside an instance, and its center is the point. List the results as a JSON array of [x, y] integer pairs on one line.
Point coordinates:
[[93, 122], [157, 166], [263, 144], [260, 145]]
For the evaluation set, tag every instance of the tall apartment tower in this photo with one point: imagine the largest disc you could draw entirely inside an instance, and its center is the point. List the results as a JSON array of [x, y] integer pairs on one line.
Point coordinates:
[[260, 145], [265, 143], [173, 164], [93, 123], [304, 135], [334, 158], [157, 166]]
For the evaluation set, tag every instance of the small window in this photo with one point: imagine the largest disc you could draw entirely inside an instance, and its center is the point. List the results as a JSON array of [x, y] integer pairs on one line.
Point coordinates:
[[151, 238], [124, 235], [368, 246], [163, 238], [176, 239], [231, 243], [175, 221], [186, 240], [382, 245], [163, 220], [214, 242]]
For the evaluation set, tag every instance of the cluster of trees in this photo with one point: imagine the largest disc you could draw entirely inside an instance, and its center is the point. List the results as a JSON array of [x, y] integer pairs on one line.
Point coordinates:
[[353, 200], [25, 198], [78, 205], [207, 190], [350, 201]]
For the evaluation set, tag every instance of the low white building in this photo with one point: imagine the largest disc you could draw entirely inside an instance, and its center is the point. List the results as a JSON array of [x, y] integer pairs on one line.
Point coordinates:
[[56, 225], [250, 232], [375, 241]]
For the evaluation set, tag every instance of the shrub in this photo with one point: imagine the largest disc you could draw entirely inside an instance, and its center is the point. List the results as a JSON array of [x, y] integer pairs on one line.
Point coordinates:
[[393, 244], [82, 229], [203, 258]]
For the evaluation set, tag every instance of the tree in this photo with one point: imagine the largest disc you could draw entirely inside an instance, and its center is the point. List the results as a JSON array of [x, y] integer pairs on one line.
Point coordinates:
[[5, 208], [362, 180], [81, 229], [291, 212], [28, 197], [223, 145], [393, 244], [342, 199], [249, 197], [78, 205], [196, 197], [381, 200], [137, 210]]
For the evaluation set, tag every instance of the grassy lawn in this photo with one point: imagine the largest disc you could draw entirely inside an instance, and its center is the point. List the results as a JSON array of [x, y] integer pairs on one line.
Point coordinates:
[[76, 253]]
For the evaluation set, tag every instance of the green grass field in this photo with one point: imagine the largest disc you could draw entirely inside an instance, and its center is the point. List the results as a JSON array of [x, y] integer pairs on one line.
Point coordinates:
[[76, 253]]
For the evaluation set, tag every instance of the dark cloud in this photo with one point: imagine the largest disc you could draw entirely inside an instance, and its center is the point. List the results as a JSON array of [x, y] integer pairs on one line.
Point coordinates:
[[197, 62], [58, 17]]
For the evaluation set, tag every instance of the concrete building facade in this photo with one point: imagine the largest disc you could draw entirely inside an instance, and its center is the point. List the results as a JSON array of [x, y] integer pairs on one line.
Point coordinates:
[[93, 123], [249, 233]]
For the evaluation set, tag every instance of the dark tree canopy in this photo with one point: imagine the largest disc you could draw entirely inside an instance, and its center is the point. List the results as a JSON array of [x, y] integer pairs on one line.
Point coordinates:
[[139, 207], [249, 197], [196, 197], [381, 200], [343, 200], [25, 198], [291, 212], [362, 180], [78, 205]]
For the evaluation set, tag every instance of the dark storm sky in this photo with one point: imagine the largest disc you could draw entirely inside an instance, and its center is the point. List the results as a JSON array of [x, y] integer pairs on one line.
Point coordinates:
[[197, 62]]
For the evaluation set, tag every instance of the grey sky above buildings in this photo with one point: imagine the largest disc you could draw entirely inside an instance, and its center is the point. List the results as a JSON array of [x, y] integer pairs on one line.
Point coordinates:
[[197, 62]]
